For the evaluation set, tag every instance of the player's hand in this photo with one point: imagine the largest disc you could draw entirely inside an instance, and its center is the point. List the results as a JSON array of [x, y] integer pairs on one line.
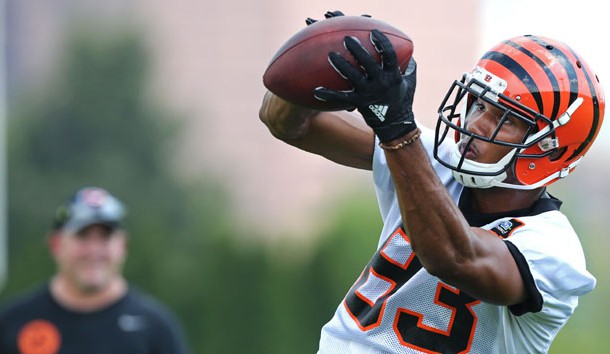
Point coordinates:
[[328, 14], [381, 94], [285, 120]]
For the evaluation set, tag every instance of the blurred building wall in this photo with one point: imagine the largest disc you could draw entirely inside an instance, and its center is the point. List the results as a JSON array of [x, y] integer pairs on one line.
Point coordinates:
[[208, 61]]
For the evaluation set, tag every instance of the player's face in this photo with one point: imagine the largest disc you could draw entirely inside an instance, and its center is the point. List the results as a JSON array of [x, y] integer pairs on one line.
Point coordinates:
[[91, 258], [483, 119]]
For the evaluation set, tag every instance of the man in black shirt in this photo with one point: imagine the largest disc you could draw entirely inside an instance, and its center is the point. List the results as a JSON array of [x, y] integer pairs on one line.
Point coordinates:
[[88, 306]]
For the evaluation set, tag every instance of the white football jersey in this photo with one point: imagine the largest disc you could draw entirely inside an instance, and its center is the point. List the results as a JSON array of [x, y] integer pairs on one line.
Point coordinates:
[[396, 306]]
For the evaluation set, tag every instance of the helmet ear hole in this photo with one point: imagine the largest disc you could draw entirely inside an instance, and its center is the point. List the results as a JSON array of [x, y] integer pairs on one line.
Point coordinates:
[[557, 154]]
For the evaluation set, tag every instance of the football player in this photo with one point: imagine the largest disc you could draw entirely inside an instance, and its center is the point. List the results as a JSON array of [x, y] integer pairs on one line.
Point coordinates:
[[474, 255]]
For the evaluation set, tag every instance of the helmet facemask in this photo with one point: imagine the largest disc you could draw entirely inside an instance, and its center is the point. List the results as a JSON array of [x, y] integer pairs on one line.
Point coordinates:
[[454, 114], [538, 82]]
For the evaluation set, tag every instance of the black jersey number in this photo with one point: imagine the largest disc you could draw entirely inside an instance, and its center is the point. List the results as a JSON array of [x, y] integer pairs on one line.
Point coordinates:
[[392, 266]]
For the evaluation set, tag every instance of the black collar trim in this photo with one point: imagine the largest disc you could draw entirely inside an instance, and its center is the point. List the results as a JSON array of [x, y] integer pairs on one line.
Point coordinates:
[[546, 203]]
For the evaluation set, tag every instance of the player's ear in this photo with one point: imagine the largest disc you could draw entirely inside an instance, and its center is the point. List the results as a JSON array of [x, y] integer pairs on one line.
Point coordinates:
[[125, 237]]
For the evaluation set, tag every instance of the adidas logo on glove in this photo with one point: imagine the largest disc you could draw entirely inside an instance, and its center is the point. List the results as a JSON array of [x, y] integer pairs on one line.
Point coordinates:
[[379, 110]]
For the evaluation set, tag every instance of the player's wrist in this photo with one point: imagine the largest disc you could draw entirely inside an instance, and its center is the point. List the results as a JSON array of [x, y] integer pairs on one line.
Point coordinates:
[[401, 141], [395, 129]]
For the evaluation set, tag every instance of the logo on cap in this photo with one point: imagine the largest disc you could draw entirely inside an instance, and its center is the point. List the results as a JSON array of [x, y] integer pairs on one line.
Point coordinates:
[[90, 206], [94, 197]]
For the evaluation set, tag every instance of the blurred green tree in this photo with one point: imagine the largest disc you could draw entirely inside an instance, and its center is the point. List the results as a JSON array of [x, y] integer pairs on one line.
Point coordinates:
[[94, 124]]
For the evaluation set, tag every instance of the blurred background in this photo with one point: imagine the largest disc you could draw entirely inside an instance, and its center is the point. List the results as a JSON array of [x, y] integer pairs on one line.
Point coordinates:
[[241, 235]]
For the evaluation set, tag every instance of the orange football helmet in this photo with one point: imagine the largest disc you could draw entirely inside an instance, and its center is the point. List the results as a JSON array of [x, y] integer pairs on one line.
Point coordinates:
[[540, 81]]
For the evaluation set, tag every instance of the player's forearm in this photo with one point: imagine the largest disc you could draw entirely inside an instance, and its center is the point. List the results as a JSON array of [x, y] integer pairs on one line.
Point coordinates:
[[284, 120], [438, 232]]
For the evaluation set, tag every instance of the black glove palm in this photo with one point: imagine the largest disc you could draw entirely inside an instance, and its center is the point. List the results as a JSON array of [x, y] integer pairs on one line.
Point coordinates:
[[381, 94]]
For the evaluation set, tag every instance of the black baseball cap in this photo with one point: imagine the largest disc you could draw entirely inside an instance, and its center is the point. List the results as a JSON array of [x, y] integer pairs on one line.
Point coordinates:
[[90, 206]]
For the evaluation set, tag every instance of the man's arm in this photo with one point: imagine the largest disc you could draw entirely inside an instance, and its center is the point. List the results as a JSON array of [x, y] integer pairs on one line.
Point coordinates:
[[472, 259], [339, 136]]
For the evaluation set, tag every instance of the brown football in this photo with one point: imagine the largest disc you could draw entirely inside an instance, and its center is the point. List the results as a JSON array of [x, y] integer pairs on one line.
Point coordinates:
[[301, 64]]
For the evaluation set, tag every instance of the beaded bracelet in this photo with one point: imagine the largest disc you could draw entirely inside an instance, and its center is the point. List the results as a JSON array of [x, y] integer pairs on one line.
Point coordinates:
[[403, 143]]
